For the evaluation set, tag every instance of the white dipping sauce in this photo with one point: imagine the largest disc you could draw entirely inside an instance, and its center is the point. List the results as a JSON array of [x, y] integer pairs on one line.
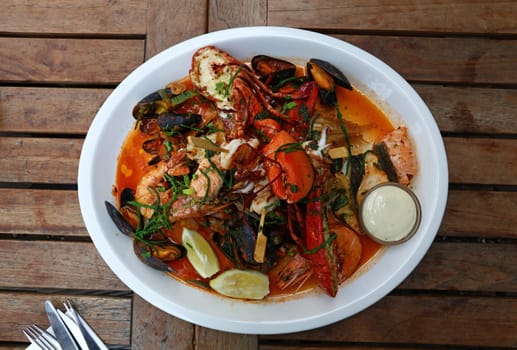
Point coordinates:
[[389, 213]]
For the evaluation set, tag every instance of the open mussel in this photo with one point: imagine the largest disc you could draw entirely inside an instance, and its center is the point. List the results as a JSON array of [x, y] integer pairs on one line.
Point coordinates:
[[119, 220], [171, 121], [155, 250], [272, 70], [327, 76], [153, 104], [158, 254]]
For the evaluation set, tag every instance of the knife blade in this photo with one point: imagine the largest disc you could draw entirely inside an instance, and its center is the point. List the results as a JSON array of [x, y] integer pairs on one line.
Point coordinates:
[[92, 339], [63, 335]]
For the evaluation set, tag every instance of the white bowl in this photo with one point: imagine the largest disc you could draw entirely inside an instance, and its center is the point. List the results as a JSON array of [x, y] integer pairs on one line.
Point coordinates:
[[381, 83]]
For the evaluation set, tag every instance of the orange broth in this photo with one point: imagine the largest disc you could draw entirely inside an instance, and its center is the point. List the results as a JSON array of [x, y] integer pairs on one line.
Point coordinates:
[[132, 164]]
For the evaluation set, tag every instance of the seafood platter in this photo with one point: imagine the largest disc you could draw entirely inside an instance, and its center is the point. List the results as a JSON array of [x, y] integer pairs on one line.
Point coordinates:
[[263, 180]]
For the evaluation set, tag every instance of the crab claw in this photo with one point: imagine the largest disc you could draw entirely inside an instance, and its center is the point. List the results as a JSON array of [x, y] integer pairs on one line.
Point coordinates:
[[289, 168]]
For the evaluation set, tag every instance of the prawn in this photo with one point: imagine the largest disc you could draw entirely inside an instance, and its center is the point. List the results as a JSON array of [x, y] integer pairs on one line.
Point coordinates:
[[295, 272], [349, 251], [206, 181], [144, 192]]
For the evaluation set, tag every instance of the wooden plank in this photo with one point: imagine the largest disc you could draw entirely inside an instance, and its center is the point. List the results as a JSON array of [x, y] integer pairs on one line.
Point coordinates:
[[482, 161], [414, 16], [27, 110], [480, 214], [235, 13], [413, 319], [472, 267], [41, 160], [155, 329], [110, 317], [464, 110], [78, 61], [216, 340], [99, 17], [297, 345], [172, 21], [55, 265], [444, 60], [13, 346], [41, 212]]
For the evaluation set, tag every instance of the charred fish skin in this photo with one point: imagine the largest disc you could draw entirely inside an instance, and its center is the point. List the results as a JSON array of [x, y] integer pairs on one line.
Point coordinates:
[[385, 162]]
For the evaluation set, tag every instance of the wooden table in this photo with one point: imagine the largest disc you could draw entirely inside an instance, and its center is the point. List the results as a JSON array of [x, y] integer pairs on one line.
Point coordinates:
[[60, 59]]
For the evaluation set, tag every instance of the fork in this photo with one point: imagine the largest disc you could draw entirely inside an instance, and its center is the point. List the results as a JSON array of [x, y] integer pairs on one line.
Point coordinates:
[[41, 338]]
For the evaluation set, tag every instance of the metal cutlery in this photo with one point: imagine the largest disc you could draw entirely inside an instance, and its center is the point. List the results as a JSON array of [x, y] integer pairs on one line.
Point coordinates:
[[92, 340], [63, 335], [41, 338]]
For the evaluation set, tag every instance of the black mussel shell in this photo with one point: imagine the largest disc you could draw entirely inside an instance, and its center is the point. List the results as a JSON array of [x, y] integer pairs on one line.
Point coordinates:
[[272, 70], [155, 160], [127, 209], [152, 146], [176, 121], [157, 255], [127, 195], [327, 76], [148, 106], [122, 224]]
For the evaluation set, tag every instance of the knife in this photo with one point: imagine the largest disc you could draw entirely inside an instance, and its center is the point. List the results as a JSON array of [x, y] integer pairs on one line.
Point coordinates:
[[63, 335], [92, 339]]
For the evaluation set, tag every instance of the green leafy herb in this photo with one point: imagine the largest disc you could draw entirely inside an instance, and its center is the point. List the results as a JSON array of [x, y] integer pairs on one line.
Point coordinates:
[[290, 147], [347, 137], [184, 96], [288, 106]]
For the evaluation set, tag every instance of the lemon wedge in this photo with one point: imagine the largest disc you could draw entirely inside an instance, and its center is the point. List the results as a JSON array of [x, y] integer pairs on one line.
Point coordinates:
[[242, 284], [200, 253]]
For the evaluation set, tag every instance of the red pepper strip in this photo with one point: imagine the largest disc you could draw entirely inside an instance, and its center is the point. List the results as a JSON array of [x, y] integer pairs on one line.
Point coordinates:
[[320, 245]]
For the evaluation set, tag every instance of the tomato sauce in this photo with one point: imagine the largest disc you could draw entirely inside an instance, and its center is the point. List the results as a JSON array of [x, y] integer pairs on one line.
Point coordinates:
[[355, 108]]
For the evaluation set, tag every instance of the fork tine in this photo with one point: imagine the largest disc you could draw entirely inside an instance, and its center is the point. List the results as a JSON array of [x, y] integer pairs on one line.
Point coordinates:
[[41, 337], [35, 339]]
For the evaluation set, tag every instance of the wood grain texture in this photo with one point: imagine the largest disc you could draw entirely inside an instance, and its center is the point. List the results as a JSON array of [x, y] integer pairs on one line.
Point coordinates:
[[155, 329], [110, 317], [78, 61], [99, 17], [59, 265], [480, 214], [471, 321], [482, 161], [441, 16], [466, 267], [224, 14], [217, 340], [42, 110], [41, 160], [171, 22], [444, 60], [470, 109], [41, 212]]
